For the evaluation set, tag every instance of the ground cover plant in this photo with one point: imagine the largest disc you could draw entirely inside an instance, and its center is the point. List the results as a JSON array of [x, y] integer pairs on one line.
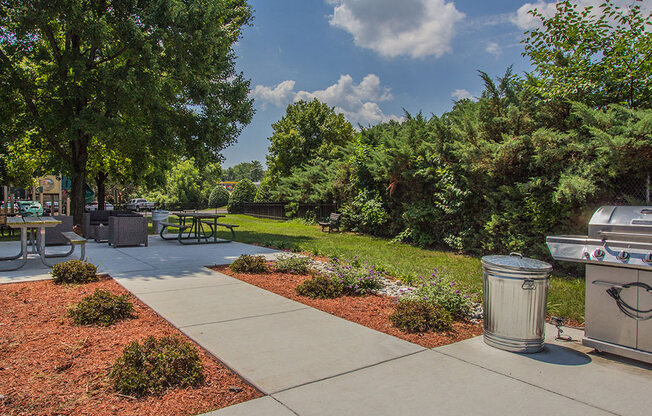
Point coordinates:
[[74, 271], [419, 315], [156, 364], [320, 287], [293, 264], [52, 367], [249, 264], [355, 277], [101, 308], [405, 261]]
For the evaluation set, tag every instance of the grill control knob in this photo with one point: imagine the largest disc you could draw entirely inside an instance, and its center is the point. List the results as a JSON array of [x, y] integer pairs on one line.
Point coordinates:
[[598, 253], [648, 258], [623, 256]]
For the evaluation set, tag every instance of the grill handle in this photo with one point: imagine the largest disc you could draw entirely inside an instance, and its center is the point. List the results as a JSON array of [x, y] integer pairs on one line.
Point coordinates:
[[610, 284], [626, 235]]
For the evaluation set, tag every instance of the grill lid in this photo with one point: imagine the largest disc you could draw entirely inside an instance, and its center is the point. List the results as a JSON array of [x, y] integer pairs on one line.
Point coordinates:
[[622, 223], [516, 261]]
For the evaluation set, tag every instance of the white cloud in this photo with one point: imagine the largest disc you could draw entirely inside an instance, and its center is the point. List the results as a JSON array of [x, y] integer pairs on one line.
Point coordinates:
[[417, 28], [357, 102], [526, 21], [280, 96], [461, 94], [494, 49]]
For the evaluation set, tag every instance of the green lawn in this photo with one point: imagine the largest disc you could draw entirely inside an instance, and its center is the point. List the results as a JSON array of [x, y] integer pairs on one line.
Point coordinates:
[[566, 296]]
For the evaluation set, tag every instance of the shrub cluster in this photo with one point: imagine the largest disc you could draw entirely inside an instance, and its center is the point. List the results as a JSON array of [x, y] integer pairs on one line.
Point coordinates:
[[156, 364], [101, 308], [418, 315], [320, 287], [74, 271], [293, 265], [356, 278], [249, 264]]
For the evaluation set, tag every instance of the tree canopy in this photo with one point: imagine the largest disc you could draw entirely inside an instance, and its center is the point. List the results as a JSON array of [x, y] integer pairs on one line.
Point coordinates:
[[308, 130], [597, 57], [151, 78]]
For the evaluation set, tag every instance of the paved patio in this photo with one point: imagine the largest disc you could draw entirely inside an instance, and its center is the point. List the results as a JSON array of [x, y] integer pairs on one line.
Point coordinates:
[[308, 362]]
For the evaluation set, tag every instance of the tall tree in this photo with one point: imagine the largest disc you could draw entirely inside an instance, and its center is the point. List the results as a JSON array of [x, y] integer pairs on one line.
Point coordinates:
[[154, 74], [597, 57], [246, 170], [308, 130]]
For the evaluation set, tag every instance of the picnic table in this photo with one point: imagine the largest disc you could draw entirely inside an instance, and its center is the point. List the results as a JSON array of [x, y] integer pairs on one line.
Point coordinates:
[[191, 229], [32, 240]]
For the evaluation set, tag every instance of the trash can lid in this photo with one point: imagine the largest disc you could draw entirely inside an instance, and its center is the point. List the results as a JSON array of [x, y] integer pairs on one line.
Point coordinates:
[[516, 261]]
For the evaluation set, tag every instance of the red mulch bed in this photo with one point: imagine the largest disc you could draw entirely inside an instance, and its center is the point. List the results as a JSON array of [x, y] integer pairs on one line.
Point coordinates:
[[370, 311], [50, 367]]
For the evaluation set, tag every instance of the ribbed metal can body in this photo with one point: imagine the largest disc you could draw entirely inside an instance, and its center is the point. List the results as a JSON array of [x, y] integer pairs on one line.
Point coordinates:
[[514, 306]]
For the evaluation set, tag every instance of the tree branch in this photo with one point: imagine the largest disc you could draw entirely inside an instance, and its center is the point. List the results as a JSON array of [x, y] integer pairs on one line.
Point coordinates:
[[108, 58], [53, 42]]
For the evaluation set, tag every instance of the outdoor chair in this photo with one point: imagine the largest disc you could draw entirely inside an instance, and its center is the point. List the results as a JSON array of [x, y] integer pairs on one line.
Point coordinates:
[[128, 230], [53, 236], [92, 220], [333, 222]]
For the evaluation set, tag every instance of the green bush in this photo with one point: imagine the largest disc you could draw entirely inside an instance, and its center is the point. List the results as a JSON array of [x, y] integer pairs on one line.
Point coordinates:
[[293, 265], [320, 287], [244, 191], [264, 191], [101, 308], [365, 213], [418, 315], [156, 364], [249, 264], [219, 197], [355, 278], [74, 271], [438, 292]]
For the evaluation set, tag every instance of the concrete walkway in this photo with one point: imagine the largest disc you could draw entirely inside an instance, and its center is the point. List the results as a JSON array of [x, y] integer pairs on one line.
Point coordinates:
[[308, 362]]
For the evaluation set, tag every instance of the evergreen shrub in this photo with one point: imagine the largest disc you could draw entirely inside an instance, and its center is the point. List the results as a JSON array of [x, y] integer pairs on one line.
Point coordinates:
[[102, 308], [74, 271], [243, 192], [249, 264], [156, 364], [219, 197], [417, 316]]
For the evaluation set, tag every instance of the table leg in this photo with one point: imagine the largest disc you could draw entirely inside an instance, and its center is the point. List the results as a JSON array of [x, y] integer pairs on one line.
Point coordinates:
[[23, 251]]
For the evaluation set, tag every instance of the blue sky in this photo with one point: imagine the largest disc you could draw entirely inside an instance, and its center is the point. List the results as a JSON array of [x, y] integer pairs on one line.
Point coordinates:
[[370, 59]]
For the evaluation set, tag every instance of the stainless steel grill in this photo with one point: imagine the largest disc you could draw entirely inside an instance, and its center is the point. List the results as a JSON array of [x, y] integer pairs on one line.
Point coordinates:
[[618, 257]]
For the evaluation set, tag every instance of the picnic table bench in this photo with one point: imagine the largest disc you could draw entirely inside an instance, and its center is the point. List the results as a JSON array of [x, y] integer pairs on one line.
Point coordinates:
[[193, 233]]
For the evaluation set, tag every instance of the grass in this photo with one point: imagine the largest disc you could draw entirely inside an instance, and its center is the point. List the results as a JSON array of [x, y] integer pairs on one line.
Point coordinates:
[[566, 295]]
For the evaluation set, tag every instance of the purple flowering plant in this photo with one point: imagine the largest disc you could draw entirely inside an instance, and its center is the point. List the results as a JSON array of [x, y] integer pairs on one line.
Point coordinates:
[[356, 277], [437, 291]]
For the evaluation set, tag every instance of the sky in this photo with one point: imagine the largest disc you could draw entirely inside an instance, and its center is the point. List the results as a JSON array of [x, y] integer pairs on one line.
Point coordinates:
[[374, 59]]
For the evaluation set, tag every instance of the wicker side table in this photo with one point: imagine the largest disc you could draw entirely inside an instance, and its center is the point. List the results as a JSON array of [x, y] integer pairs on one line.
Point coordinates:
[[101, 234]]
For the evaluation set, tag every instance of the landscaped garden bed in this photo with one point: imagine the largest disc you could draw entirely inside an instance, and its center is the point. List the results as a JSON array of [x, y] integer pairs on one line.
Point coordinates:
[[371, 310], [50, 366]]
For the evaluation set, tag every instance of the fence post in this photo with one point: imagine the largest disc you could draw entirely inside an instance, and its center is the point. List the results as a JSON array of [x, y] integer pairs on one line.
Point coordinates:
[[647, 198]]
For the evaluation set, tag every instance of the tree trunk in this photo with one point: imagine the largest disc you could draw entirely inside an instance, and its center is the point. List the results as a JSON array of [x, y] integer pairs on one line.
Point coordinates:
[[79, 149], [100, 181]]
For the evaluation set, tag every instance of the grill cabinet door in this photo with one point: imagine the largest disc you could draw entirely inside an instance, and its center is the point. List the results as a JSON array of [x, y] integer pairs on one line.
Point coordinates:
[[645, 303], [604, 321]]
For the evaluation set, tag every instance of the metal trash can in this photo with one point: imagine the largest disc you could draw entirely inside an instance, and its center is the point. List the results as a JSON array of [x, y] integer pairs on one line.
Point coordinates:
[[157, 217], [514, 296]]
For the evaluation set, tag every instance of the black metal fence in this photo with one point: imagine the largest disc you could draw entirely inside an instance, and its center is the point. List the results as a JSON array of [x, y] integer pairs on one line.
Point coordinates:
[[278, 210]]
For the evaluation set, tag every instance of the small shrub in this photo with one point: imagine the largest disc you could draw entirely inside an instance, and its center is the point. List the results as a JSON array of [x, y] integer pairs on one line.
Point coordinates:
[[219, 197], [156, 364], [320, 287], [249, 264], [293, 265], [74, 271], [101, 308], [244, 191], [264, 191], [356, 278], [436, 291], [418, 315]]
